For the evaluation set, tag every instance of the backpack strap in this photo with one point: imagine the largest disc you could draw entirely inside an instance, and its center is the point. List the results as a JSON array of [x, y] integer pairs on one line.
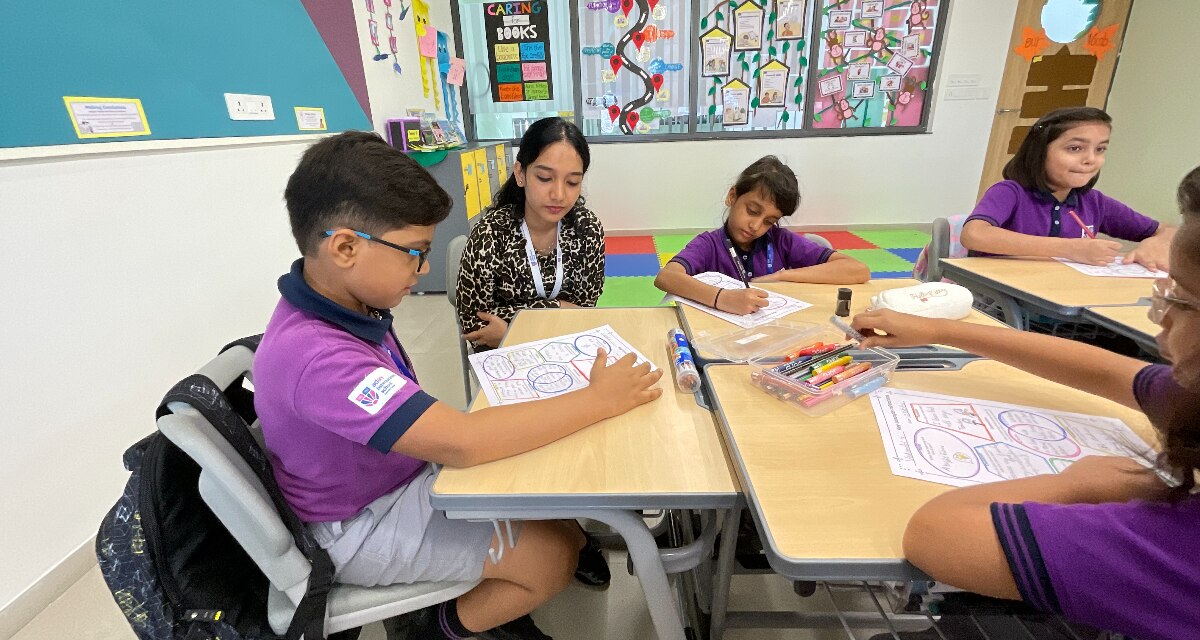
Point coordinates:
[[203, 395], [250, 342]]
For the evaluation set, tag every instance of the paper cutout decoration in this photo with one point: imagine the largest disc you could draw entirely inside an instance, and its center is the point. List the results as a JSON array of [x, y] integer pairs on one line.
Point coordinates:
[[428, 43], [1065, 21], [457, 73], [632, 118], [615, 63], [420, 10], [735, 98], [657, 81], [772, 84], [614, 111], [715, 52], [748, 26], [791, 19], [1032, 43], [1101, 41]]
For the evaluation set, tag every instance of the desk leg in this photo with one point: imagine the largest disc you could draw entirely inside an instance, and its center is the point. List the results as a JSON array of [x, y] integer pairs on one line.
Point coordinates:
[[649, 567], [725, 561]]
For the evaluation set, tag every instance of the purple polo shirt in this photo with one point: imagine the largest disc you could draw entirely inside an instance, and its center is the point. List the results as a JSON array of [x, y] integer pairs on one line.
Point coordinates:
[[776, 250], [1010, 206], [1129, 567], [332, 396]]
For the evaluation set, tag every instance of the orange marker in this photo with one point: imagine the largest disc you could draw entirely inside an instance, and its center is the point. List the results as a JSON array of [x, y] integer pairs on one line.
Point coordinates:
[[850, 372]]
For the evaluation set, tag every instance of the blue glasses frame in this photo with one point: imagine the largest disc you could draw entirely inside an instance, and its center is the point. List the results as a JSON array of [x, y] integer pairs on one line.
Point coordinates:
[[422, 256]]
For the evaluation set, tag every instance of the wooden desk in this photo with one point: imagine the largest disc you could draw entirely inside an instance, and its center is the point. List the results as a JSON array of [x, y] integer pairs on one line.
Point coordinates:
[[1129, 321], [666, 454], [1043, 285], [822, 297], [821, 488]]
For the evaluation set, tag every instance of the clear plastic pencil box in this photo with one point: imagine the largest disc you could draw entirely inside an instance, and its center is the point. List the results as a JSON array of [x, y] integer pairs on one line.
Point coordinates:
[[766, 347]]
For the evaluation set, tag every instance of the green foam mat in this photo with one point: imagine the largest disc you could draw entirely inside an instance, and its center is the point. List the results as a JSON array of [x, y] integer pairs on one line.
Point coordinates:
[[630, 291], [895, 238], [879, 259]]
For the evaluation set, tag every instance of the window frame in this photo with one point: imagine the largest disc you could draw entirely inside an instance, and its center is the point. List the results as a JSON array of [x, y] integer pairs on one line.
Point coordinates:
[[692, 135]]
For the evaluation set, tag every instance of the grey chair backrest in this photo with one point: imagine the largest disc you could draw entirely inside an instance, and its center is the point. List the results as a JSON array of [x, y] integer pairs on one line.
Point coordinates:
[[939, 248], [819, 240], [454, 253]]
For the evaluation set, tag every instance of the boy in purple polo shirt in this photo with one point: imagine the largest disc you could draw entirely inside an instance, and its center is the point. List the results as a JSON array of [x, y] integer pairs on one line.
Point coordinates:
[[1046, 205], [752, 248], [1105, 543], [349, 431]]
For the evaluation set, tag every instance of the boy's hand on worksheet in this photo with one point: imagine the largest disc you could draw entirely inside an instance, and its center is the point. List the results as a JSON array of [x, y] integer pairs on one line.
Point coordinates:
[[1094, 252], [741, 301], [1151, 253], [901, 329], [621, 386]]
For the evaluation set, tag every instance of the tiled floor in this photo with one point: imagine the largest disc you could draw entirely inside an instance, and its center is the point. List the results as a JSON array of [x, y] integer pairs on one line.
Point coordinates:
[[631, 262]]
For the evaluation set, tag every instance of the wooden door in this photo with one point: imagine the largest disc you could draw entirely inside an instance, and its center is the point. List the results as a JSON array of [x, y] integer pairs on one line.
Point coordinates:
[[1041, 75]]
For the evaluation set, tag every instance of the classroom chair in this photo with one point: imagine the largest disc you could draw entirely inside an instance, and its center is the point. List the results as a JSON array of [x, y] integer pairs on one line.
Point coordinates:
[[943, 243], [236, 496], [454, 253], [821, 240]]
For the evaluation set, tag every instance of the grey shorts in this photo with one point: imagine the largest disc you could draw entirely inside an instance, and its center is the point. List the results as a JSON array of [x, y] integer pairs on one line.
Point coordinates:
[[400, 538]]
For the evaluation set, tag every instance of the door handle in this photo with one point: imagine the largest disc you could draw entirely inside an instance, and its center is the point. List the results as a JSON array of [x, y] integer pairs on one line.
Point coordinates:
[[1007, 110]]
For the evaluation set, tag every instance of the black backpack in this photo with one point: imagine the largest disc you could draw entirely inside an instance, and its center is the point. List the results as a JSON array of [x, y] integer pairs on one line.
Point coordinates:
[[174, 570]]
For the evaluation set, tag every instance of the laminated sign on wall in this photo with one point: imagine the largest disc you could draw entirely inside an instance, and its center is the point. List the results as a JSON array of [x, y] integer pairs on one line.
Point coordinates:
[[518, 42]]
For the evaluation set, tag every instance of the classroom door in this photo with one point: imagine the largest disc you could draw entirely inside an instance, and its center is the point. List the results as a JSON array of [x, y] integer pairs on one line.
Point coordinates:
[[1062, 54]]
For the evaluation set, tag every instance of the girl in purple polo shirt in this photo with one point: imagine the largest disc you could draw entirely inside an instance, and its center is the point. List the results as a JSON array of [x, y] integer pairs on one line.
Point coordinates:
[[1046, 205], [1105, 543], [751, 247]]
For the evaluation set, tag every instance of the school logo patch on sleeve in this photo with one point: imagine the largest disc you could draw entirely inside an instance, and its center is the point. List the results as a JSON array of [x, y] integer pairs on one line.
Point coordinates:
[[376, 389]]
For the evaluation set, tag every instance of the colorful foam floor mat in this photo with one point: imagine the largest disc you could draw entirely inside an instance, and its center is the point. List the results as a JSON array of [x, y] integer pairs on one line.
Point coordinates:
[[632, 262]]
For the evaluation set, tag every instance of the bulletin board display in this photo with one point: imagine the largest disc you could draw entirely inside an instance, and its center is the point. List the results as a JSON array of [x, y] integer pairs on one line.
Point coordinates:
[[518, 44], [632, 56], [873, 63], [753, 64], [171, 63]]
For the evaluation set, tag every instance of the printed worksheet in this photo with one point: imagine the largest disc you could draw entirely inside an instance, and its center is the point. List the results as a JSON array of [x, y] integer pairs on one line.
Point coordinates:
[[778, 305], [1115, 269], [546, 368], [962, 442]]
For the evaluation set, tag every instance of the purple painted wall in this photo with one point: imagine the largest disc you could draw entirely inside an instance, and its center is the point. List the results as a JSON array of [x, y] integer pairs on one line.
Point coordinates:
[[334, 19]]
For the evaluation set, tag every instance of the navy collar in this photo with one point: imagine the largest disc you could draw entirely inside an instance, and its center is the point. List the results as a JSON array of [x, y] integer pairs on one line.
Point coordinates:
[[302, 296], [1071, 200]]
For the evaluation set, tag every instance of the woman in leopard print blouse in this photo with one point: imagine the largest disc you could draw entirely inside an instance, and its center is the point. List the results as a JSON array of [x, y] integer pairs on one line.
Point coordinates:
[[539, 218]]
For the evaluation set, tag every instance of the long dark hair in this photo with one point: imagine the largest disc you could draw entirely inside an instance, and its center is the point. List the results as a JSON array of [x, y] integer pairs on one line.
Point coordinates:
[[538, 136], [773, 178], [1180, 432], [1028, 166]]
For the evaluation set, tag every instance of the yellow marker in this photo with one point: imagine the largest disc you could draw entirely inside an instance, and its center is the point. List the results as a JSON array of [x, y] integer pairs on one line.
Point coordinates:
[[842, 361]]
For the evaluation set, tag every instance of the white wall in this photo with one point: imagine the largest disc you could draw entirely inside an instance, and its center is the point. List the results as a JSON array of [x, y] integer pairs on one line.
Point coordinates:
[[121, 275], [1155, 139], [392, 94], [843, 180]]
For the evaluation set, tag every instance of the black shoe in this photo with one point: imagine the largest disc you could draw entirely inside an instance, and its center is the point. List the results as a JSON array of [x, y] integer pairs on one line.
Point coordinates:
[[414, 625], [522, 628], [592, 569]]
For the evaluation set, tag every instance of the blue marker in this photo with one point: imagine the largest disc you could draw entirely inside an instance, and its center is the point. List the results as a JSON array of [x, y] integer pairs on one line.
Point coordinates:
[[864, 389]]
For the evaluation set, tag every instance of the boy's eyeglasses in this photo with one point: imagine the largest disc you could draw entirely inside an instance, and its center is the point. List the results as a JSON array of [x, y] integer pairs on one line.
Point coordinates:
[[1163, 298], [422, 256]]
